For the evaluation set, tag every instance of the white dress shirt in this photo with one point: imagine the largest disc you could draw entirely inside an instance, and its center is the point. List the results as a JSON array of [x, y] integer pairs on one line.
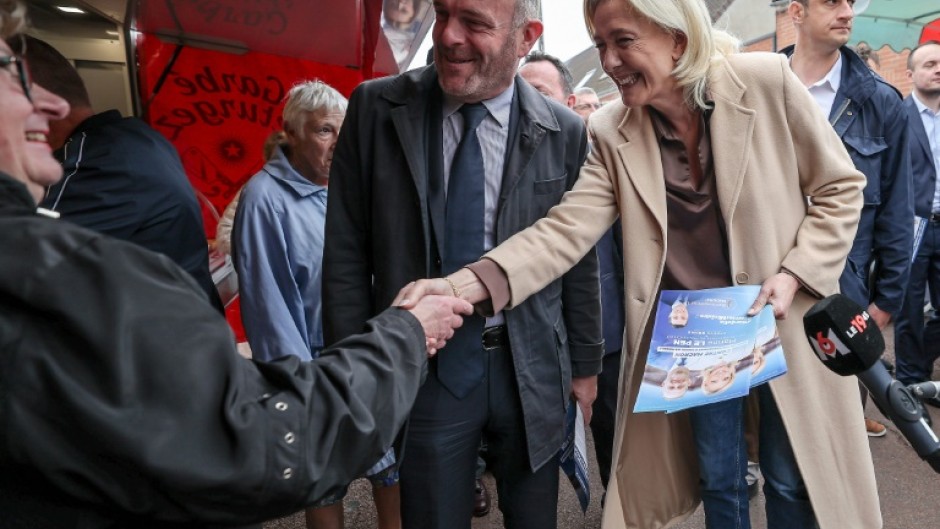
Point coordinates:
[[493, 134], [824, 90]]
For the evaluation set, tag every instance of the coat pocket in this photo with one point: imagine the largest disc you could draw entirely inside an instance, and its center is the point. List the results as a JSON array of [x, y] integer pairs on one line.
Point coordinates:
[[867, 153], [551, 186], [564, 361]]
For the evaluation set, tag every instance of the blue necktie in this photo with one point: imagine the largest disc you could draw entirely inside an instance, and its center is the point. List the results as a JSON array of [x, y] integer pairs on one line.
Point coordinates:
[[460, 364]]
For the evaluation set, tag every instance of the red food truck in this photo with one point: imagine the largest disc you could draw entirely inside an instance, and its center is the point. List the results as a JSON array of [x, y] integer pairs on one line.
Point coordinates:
[[211, 75]]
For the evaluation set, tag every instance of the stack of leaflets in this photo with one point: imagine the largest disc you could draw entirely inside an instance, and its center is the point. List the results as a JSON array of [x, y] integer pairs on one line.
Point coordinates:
[[706, 349], [920, 225]]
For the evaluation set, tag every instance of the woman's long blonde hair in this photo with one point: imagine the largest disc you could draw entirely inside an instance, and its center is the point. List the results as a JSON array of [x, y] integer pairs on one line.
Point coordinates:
[[692, 19]]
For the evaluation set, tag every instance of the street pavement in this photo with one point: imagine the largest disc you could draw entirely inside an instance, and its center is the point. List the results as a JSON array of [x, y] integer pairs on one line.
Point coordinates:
[[909, 489]]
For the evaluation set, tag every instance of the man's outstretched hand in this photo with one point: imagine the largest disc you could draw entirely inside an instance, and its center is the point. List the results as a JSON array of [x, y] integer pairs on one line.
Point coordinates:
[[439, 316]]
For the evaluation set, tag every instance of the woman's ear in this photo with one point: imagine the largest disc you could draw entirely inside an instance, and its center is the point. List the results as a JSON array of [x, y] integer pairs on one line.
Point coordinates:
[[681, 41]]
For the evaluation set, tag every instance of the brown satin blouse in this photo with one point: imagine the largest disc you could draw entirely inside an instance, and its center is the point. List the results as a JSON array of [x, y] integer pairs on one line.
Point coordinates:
[[696, 239]]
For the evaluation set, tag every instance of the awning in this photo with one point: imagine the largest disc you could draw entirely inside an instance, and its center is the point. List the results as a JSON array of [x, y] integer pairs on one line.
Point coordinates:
[[900, 24]]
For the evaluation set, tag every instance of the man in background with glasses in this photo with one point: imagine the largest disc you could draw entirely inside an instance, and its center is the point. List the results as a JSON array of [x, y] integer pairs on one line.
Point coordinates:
[[586, 102]]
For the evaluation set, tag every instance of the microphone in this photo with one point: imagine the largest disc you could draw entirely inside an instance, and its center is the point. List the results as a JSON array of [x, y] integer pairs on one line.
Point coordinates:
[[849, 343], [925, 390]]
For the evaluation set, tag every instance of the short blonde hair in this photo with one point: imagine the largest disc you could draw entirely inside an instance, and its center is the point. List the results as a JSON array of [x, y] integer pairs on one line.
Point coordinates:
[[12, 18], [692, 19]]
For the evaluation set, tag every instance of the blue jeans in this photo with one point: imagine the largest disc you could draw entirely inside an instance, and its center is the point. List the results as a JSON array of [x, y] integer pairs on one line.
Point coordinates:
[[718, 430]]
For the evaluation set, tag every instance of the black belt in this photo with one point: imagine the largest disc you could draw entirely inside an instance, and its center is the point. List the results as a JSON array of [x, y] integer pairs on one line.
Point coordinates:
[[495, 337], [934, 217]]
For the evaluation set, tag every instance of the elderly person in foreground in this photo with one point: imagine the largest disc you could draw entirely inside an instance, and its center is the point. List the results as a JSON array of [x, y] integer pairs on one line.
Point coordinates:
[[122, 400], [724, 173]]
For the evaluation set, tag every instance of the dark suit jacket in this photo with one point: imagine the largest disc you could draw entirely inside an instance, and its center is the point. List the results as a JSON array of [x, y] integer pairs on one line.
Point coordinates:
[[610, 266], [380, 233], [922, 168]]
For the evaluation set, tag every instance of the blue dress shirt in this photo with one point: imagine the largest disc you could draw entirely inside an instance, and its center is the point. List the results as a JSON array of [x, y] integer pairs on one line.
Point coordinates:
[[277, 243]]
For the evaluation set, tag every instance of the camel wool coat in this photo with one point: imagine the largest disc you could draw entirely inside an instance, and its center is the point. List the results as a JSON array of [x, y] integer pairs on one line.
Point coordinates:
[[791, 198]]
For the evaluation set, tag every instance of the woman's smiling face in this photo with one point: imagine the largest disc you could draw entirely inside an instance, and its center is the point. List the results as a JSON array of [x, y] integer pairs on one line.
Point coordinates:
[[637, 55]]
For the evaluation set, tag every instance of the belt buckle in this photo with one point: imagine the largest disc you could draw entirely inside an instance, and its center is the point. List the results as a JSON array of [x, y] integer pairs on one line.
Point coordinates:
[[494, 331]]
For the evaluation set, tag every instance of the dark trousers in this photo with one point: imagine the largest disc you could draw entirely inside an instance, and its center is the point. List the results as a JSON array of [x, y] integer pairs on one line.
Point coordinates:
[[917, 345], [604, 414], [444, 433]]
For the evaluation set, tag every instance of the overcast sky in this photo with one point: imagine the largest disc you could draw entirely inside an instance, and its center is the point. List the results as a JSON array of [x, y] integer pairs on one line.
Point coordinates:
[[564, 33]]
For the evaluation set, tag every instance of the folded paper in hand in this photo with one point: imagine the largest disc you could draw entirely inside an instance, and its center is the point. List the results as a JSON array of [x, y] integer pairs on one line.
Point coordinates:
[[573, 454]]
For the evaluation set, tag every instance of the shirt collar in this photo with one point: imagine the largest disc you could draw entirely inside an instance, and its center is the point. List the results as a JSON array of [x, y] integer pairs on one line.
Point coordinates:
[[921, 107], [280, 169], [833, 78], [500, 107]]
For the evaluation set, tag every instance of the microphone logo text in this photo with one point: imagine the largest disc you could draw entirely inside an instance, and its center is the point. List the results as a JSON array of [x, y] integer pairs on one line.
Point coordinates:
[[858, 324]]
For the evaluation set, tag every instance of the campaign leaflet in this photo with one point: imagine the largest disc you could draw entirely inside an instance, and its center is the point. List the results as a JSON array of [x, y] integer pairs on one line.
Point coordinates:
[[572, 457], [920, 226], [706, 349]]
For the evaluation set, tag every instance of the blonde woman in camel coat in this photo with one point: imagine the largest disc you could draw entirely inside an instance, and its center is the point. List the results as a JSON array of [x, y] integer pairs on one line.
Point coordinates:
[[789, 197]]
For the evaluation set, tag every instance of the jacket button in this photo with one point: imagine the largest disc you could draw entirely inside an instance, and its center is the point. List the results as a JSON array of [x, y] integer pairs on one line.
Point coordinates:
[[289, 438], [280, 406], [741, 278], [288, 473]]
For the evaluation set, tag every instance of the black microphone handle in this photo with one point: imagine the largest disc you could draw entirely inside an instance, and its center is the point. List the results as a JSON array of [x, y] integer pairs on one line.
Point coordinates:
[[925, 390], [896, 402]]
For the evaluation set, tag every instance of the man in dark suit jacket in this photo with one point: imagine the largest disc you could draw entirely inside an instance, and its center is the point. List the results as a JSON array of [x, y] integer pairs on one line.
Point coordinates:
[[386, 224], [917, 345]]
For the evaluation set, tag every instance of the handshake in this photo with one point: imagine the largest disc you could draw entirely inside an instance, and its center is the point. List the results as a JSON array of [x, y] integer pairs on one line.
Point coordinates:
[[440, 303]]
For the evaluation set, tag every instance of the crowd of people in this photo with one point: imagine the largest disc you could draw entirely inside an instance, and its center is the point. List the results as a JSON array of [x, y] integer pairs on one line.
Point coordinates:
[[435, 270]]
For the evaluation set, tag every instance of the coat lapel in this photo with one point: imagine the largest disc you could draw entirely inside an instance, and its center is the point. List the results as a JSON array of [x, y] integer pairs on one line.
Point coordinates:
[[639, 154], [731, 126], [413, 94], [914, 118], [530, 121]]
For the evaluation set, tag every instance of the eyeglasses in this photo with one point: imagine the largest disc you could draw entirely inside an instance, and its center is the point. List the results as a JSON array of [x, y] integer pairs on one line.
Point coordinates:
[[585, 106], [22, 71]]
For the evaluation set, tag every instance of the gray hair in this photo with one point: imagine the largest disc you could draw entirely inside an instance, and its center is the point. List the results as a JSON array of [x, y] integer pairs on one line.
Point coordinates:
[[690, 18], [525, 10], [310, 96], [585, 91], [12, 18]]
